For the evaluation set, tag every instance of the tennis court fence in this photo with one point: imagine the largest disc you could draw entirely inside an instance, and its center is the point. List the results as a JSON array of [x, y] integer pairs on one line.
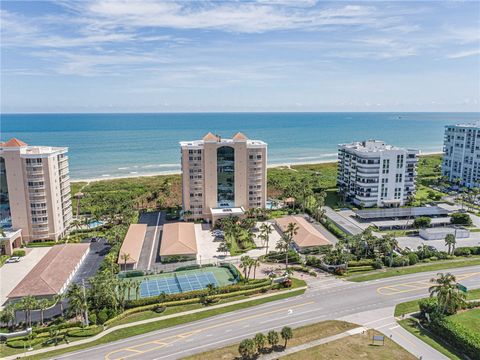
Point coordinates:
[[159, 268]]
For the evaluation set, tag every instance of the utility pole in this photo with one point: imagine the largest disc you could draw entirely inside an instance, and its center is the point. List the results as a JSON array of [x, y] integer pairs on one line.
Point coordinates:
[[86, 306]]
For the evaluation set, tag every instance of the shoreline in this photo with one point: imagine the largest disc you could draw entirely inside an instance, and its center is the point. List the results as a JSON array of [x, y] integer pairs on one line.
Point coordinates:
[[175, 172]]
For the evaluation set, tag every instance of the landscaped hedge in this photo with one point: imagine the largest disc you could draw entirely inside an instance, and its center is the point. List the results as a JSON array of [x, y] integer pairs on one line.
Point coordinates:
[[19, 253], [279, 257], [461, 338], [363, 262], [237, 275], [87, 331], [467, 250], [334, 229], [195, 294]]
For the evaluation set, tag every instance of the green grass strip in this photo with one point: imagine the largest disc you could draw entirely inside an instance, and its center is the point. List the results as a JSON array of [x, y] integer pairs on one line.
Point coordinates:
[[450, 264], [145, 328]]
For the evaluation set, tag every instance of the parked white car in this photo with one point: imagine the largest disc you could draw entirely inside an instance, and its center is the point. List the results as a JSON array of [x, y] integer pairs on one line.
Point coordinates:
[[13, 259]]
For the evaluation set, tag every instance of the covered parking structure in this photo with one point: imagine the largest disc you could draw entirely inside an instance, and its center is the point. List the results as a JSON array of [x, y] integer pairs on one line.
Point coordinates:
[[129, 254], [178, 242], [401, 213]]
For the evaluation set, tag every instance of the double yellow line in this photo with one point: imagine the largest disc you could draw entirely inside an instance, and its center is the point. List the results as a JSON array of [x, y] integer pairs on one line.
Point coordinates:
[[149, 346], [415, 285]]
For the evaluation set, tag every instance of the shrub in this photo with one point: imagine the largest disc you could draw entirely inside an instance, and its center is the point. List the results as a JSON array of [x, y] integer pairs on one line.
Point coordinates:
[[428, 306], [412, 258], [92, 318], [462, 251], [88, 331], [377, 264], [442, 255], [422, 222], [19, 253], [400, 261], [102, 316], [461, 219], [457, 335], [247, 348], [363, 262], [334, 229]]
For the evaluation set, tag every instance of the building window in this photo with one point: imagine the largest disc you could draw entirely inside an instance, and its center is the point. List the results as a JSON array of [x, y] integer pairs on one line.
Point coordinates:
[[225, 176]]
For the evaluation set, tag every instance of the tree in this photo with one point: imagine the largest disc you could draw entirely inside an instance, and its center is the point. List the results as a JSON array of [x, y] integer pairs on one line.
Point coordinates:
[[43, 304], [137, 286], [255, 262], [246, 264], [260, 341], [77, 301], [450, 241], [7, 315], [124, 257], [58, 299], [247, 349], [272, 338], [450, 299], [265, 231], [422, 222], [287, 334], [27, 304], [286, 240], [461, 219]]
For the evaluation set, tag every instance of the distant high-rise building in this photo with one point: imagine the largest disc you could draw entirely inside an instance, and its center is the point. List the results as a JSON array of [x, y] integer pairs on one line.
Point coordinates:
[[35, 190], [372, 173], [461, 154], [223, 177]]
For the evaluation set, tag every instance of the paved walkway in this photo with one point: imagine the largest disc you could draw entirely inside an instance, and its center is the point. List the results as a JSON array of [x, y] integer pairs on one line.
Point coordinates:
[[147, 321], [384, 321], [294, 349]]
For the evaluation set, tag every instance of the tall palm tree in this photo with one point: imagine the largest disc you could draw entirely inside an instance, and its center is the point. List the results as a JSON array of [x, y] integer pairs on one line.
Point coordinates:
[[124, 257], [7, 315], [448, 296], [27, 304], [43, 304], [265, 231], [284, 245], [58, 299], [77, 301], [255, 262], [450, 241], [137, 286]]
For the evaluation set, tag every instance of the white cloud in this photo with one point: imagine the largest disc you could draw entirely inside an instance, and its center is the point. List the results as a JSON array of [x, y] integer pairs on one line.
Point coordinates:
[[465, 53]]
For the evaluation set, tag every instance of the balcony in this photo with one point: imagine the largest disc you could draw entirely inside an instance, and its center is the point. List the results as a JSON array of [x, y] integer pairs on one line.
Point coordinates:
[[39, 222], [36, 187]]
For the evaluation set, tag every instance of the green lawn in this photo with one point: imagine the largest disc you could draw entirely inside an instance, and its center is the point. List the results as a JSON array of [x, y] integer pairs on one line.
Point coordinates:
[[411, 326], [470, 319], [412, 306], [301, 335], [141, 329], [437, 265], [352, 348]]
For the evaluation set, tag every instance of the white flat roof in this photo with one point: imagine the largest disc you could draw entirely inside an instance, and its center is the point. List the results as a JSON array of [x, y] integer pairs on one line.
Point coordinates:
[[227, 211]]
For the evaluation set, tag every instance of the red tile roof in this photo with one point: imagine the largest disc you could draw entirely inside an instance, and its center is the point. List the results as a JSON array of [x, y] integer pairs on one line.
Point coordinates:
[[306, 235], [132, 244], [14, 142], [48, 277], [178, 239]]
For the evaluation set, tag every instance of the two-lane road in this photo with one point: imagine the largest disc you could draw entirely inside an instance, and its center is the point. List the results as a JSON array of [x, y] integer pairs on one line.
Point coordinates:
[[323, 301]]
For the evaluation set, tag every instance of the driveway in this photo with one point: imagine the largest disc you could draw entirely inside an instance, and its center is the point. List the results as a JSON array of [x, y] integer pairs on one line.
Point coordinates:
[[12, 274], [149, 254]]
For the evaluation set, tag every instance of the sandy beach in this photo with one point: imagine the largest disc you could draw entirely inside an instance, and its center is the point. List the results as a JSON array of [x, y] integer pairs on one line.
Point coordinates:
[[160, 173]]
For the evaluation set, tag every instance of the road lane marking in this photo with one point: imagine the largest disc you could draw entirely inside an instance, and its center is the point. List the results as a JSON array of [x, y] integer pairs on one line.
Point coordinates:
[[415, 285], [174, 338]]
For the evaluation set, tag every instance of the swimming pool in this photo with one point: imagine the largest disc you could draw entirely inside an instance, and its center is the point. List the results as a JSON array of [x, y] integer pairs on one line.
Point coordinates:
[[95, 224]]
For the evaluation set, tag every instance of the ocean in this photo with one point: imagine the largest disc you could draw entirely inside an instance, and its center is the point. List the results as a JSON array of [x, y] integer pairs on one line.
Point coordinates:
[[118, 145]]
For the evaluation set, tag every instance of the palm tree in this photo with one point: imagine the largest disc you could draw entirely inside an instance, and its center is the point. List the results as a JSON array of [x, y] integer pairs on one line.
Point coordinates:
[[449, 297], [265, 231], [255, 263], [260, 341], [137, 286], [58, 299], [450, 241], [7, 315], [287, 334], [124, 257], [27, 304], [272, 338], [77, 301], [43, 304], [245, 264]]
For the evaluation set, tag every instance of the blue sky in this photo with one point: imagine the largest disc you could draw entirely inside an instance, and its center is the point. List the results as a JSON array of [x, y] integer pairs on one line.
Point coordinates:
[[285, 55]]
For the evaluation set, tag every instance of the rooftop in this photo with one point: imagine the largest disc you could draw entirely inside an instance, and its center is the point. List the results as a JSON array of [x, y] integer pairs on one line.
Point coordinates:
[[369, 146], [210, 137], [26, 150], [410, 212], [52, 272], [132, 244], [307, 235], [178, 239], [14, 142]]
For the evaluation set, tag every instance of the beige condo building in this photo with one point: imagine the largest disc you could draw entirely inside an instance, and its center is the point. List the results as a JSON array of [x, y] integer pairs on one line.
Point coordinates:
[[222, 177], [35, 190]]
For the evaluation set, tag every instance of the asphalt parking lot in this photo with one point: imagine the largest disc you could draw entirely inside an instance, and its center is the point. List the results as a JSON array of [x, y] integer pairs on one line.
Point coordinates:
[[90, 265]]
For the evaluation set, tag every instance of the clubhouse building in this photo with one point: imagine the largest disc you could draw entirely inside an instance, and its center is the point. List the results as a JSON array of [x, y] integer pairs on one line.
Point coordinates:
[[223, 177]]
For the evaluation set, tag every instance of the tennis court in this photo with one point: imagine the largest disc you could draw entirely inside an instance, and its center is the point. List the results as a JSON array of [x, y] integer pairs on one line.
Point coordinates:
[[184, 281]]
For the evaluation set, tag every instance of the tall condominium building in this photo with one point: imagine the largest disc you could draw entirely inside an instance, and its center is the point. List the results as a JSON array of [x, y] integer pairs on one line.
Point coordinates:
[[223, 176], [372, 173], [461, 154], [35, 190]]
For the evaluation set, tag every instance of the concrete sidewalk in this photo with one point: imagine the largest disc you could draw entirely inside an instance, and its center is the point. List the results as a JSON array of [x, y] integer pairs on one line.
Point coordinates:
[[147, 321], [384, 321], [294, 349]]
